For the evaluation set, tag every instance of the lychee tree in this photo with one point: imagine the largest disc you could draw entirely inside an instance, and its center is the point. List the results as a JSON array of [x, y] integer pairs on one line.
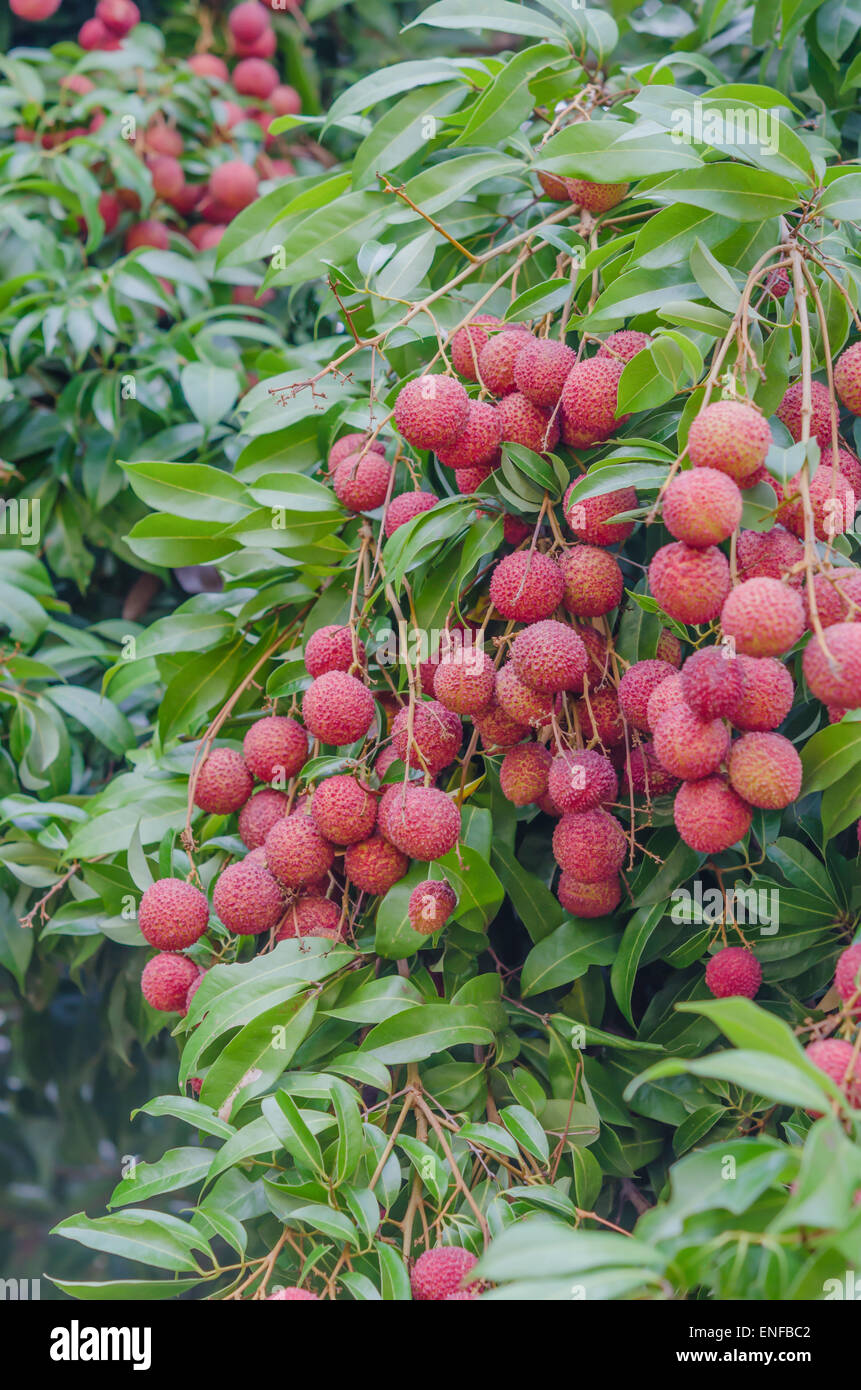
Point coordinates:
[[545, 563]]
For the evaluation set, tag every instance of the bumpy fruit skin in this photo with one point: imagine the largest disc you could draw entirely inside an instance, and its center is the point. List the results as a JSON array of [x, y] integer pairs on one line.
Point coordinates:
[[690, 585], [189, 995], [712, 681], [847, 378], [497, 357], [554, 186], [166, 980], [223, 784], [331, 649], [645, 774], [477, 444], [832, 504], [581, 779], [625, 344], [436, 736], [430, 906], [549, 656], [842, 684], [589, 845], [523, 773], [789, 412], [590, 402], [296, 852], [422, 822], [468, 342], [523, 423], [768, 554], [731, 437], [526, 586], [464, 681], [838, 596], [338, 709], [837, 1059], [597, 899], [702, 507], [147, 234], [431, 411], [352, 444], [733, 971], [519, 701], [275, 746], [342, 810], [601, 717], [309, 915], [498, 730], [375, 865], [293, 1294], [849, 466], [847, 976], [540, 369], [688, 746], [173, 914], [234, 184], [406, 506], [664, 697], [766, 770], [248, 21], [439, 1273], [514, 530], [247, 899], [258, 816], [362, 484], [710, 816], [593, 581], [589, 520], [254, 77], [469, 480], [637, 685], [595, 197], [766, 697], [763, 617]]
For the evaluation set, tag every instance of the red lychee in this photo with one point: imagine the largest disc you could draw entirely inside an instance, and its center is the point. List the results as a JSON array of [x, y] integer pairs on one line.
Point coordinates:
[[523, 423], [254, 77], [601, 718], [468, 342], [526, 586], [838, 596], [234, 184], [688, 746], [275, 746], [595, 197], [439, 1273], [645, 774], [296, 852], [702, 507], [590, 519], [593, 581], [422, 822], [148, 233], [589, 845], [712, 681], [847, 378], [789, 412], [624, 344], [362, 484], [224, 783], [464, 681], [847, 976], [497, 357], [731, 437], [597, 899], [520, 702], [477, 444], [768, 554], [208, 65], [540, 370], [431, 411], [664, 697], [247, 899], [838, 1060], [549, 656], [590, 402], [330, 648], [166, 980], [636, 686], [338, 709], [763, 617], [498, 730], [523, 773], [258, 816], [343, 810], [690, 585], [710, 816], [834, 676], [733, 971], [293, 1294], [173, 914], [352, 444], [375, 865], [766, 696], [765, 769], [582, 779], [248, 21], [310, 915], [406, 506], [436, 736], [431, 904]]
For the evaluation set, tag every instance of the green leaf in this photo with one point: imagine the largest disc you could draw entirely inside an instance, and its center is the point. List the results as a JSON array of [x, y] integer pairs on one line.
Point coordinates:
[[568, 952], [420, 1032]]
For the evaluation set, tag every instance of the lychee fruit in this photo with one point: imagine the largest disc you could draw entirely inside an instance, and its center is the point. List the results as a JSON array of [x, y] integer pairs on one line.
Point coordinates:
[[789, 412], [549, 656], [168, 180], [148, 233], [224, 783], [644, 773], [406, 506], [464, 681], [590, 402], [293, 1294], [431, 411], [690, 585], [593, 581], [166, 980], [310, 915], [766, 696], [664, 697], [447, 643], [832, 504], [765, 769], [600, 717], [514, 529], [847, 976], [375, 865], [589, 845], [93, 34], [733, 971], [498, 730], [234, 184], [247, 899], [554, 186], [296, 852], [208, 65], [436, 736], [469, 480], [497, 357], [838, 596], [520, 702], [258, 816], [730, 437], [430, 906], [597, 899], [523, 423], [330, 648], [523, 773], [768, 555], [248, 21], [468, 342], [688, 746], [636, 686], [343, 810], [702, 507], [849, 466], [173, 914], [669, 648], [439, 1273], [712, 682], [526, 586], [763, 617], [595, 197], [275, 746], [477, 444], [352, 444], [847, 378], [254, 77], [710, 816], [581, 779], [422, 822], [337, 708], [834, 676], [589, 519], [540, 370], [624, 344], [362, 483], [838, 1060]]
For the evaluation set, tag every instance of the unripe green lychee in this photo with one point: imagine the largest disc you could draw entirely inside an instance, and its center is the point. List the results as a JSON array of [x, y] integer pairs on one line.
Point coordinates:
[[597, 899], [690, 585], [465, 680], [625, 344], [497, 357], [275, 746], [540, 370], [702, 507], [520, 702], [351, 444], [664, 697], [766, 696], [581, 779], [173, 914], [406, 506], [523, 423], [258, 816], [247, 899], [439, 1273], [431, 411], [374, 865], [590, 519], [589, 845], [590, 402], [763, 617], [362, 483], [549, 656], [526, 586], [310, 915], [765, 769], [688, 746], [296, 852], [468, 342], [223, 783], [330, 648], [731, 437], [733, 971], [847, 377], [523, 773], [834, 676], [338, 709], [789, 412], [593, 581], [637, 684], [166, 980], [768, 555], [343, 810], [436, 736], [423, 822], [710, 816], [712, 682], [596, 197], [431, 904]]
